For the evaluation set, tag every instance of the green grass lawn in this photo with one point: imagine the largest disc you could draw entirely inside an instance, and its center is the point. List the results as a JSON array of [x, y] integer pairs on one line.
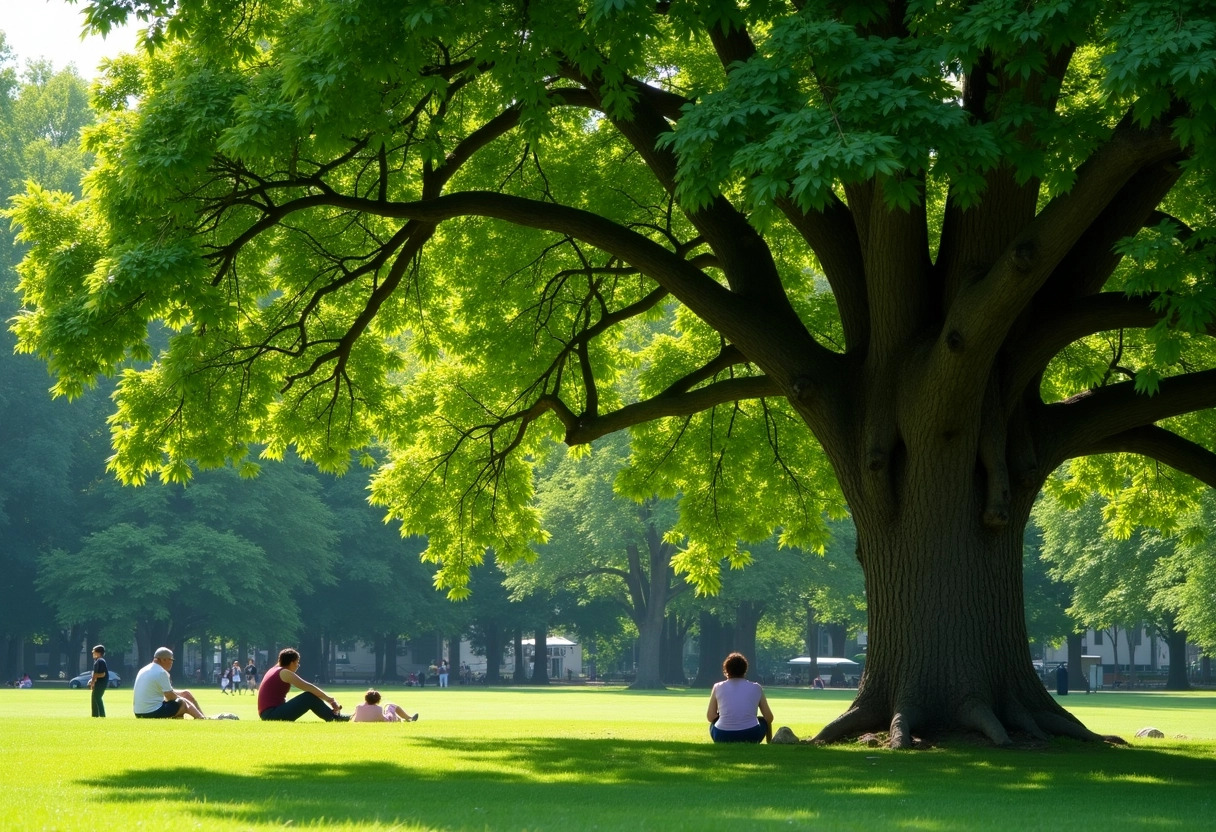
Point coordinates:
[[581, 759]]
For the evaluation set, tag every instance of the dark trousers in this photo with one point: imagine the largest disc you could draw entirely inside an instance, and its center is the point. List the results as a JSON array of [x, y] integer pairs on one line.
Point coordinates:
[[99, 690], [755, 734], [297, 706]]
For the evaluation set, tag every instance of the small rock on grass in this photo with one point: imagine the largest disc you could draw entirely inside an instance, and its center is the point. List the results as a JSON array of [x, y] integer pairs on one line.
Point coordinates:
[[784, 736]]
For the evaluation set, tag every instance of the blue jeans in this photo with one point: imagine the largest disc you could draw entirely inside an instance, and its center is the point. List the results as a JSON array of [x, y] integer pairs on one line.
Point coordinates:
[[297, 706], [754, 734]]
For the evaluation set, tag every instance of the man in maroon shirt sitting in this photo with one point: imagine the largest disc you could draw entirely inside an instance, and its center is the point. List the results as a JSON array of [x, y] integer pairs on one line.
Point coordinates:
[[278, 682]]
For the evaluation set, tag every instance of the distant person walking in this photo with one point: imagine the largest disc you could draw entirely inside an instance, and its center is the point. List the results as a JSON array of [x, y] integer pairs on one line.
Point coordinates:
[[733, 704], [251, 675], [236, 678], [100, 680]]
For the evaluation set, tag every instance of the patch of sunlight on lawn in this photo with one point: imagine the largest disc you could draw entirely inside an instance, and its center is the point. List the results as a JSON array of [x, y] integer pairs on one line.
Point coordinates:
[[873, 789], [1024, 787], [1138, 779], [783, 815], [921, 823]]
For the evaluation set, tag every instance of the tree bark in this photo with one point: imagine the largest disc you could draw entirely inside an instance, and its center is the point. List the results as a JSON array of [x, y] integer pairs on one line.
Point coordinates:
[[709, 665], [1177, 679], [747, 619], [936, 576], [1076, 666], [540, 657], [675, 630], [493, 636], [521, 667]]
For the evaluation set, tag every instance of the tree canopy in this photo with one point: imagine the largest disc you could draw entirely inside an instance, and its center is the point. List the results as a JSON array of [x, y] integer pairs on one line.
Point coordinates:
[[909, 256]]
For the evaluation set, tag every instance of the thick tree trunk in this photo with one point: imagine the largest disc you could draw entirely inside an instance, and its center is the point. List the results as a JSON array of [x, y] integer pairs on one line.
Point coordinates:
[[521, 672], [747, 620], [1076, 670], [389, 672], [675, 630], [540, 657], [1177, 679], [493, 635], [947, 639], [650, 641], [709, 665], [812, 644], [838, 635]]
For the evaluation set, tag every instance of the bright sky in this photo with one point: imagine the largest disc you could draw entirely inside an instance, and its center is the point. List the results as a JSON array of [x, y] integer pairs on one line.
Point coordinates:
[[51, 29]]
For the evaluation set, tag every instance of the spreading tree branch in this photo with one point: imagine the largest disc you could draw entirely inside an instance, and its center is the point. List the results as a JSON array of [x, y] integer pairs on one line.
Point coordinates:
[[1164, 446]]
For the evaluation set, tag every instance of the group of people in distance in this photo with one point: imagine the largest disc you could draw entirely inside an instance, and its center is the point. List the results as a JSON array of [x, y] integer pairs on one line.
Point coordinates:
[[732, 713], [155, 697]]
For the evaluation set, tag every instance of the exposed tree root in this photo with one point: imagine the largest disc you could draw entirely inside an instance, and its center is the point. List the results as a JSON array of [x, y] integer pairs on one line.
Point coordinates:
[[1018, 718], [1062, 726], [905, 719], [1021, 715], [979, 716], [852, 722]]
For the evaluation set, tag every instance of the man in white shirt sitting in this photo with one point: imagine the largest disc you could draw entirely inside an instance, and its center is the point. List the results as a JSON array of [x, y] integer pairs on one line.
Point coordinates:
[[154, 694]]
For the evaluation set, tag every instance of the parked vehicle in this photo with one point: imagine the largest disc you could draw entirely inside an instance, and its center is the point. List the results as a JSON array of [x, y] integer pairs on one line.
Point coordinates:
[[82, 681]]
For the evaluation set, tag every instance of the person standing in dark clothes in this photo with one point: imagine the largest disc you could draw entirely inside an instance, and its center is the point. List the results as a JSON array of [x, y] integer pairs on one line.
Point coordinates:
[[100, 680], [1062, 680]]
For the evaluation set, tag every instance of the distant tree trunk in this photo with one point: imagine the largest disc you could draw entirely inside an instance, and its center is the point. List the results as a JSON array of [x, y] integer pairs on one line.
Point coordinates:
[[493, 636], [812, 643], [1177, 679], [729, 644], [540, 657], [391, 673], [709, 664], [29, 662], [747, 619], [454, 657], [179, 652], [675, 630], [650, 588], [650, 641], [379, 650], [838, 635], [1076, 666], [312, 656], [1205, 669], [521, 667]]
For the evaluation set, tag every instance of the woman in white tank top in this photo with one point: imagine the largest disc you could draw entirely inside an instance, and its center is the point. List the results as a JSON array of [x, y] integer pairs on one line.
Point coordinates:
[[733, 704]]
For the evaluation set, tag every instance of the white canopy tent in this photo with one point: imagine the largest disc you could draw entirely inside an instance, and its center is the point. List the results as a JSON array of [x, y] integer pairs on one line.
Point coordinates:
[[828, 662], [830, 666]]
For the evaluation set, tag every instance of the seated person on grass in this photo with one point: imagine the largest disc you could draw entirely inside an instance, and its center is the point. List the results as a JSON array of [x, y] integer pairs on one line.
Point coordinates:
[[733, 704], [155, 697], [372, 711], [278, 682]]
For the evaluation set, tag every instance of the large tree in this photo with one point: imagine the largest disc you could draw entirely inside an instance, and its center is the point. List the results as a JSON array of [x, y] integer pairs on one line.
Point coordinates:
[[944, 246]]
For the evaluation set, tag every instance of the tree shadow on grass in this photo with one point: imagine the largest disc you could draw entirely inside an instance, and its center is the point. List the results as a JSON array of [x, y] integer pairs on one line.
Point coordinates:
[[564, 784]]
